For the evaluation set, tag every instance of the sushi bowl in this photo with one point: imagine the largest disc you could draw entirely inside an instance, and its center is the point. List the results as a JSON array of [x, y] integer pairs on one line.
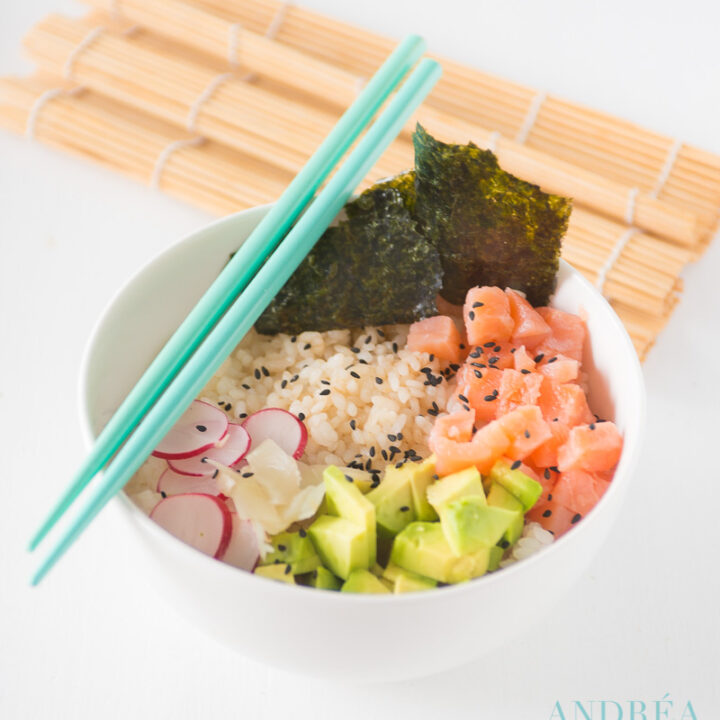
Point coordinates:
[[341, 636]]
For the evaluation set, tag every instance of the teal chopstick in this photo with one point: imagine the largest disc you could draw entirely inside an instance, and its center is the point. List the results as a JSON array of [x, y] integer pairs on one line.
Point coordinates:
[[237, 273], [243, 313]]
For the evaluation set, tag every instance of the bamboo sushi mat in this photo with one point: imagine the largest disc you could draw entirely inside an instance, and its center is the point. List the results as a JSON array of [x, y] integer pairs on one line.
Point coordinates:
[[220, 102]]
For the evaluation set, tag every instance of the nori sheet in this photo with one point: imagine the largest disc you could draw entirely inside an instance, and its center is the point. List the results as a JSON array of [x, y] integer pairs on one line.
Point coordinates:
[[372, 269], [489, 227]]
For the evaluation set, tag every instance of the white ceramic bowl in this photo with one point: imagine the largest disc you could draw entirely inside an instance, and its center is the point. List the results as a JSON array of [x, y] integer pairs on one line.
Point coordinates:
[[333, 635]]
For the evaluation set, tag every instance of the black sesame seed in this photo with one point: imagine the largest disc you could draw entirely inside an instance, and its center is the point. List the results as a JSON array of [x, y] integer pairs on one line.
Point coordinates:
[[371, 452], [575, 518], [432, 357], [478, 374], [294, 378], [431, 411], [282, 548], [527, 434], [301, 416], [489, 344], [515, 465], [490, 398], [287, 569], [355, 375], [302, 532], [394, 449], [221, 402], [265, 371], [556, 419], [454, 367], [495, 393], [399, 436], [497, 348], [380, 332], [547, 513], [538, 358], [368, 465], [215, 474], [476, 353], [348, 478], [504, 544], [163, 493], [368, 339], [391, 437], [375, 482], [493, 359], [513, 351], [471, 314], [478, 304], [283, 384], [247, 474], [353, 424], [257, 374], [307, 346], [462, 346], [591, 426], [326, 391], [384, 455], [395, 347], [356, 350], [555, 468], [325, 382], [549, 496], [465, 407], [405, 508], [547, 473], [293, 339], [363, 362], [399, 464], [552, 360], [463, 398], [379, 381], [201, 428], [525, 371], [242, 415]]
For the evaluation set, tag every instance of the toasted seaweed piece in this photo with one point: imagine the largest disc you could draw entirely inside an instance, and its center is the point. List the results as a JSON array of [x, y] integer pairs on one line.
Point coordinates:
[[489, 227], [372, 269]]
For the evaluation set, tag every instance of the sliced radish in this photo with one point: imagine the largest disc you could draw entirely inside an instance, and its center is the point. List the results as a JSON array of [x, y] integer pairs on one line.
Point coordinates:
[[174, 483], [231, 450], [202, 521], [282, 426], [243, 551], [200, 427]]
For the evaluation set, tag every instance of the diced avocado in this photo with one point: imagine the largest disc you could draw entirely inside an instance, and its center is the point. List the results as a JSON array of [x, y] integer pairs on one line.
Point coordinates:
[[422, 476], [422, 548], [341, 544], [393, 504], [470, 524], [295, 550], [377, 570], [276, 572], [499, 497], [524, 488], [407, 581], [362, 581], [453, 487], [392, 571], [322, 579], [363, 480], [496, 553], [346, 501]]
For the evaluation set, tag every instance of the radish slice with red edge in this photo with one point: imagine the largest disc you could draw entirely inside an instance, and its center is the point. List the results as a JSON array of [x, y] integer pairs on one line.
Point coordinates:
[[231, 450], [202, 521], [243, 551], [288, 431], [200, 427], [174, 483]]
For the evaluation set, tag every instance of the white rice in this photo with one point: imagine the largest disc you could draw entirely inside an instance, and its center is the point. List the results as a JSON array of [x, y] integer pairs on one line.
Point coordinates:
[[390, 396]]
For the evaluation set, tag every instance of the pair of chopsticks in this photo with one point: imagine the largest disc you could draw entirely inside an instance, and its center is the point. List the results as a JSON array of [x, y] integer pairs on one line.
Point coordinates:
[[242, 291]]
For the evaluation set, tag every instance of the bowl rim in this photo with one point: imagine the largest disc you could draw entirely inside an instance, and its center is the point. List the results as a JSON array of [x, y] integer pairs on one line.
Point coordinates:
[[627, 464]]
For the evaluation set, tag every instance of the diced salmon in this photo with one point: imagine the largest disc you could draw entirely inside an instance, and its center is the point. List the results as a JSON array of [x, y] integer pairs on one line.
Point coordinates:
[[486, 447], [579, 491], [456, 426], [553, 516], [565, 403], [546, 455], [594, 447], [529, 328], [559, 368], [518, 389], [480, 387], [438, 336], [522, 360], [567, 334], [526, 430], [487, 316]]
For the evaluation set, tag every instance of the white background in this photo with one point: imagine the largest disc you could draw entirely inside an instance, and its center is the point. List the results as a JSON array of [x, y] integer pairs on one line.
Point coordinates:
[[94, 643]]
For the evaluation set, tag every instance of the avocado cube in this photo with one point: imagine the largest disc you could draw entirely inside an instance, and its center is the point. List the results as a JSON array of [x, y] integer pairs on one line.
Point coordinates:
[[392, 571], [276, 572], [524, 488], [421, 476], [453, 487], [323, 579], [362, 479], [499, 497], [496, 553], [423, 549], [341, 544], [393, 504], [294, 550], [407, 581], [363, 581], [470, 524], [347, 502]]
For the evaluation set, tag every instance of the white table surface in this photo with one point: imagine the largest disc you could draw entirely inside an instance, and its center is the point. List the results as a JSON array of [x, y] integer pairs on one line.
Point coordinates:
[[92, 642]]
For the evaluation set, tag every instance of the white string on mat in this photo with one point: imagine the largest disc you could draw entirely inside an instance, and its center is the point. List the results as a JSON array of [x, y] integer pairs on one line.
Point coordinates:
[[203, 97], [114, 10], [40, 103], [164, 156], [278, 19], [234, 43], [667, 167], [360, 83], [531, 117], [493, 140], [82, 45], [631, 205], [235, 31], [615, 253]]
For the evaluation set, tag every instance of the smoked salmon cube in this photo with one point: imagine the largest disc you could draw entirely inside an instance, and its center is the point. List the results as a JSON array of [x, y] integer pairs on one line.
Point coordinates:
[[487, 316], [594, 447], [529, 328], [437, 336]]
